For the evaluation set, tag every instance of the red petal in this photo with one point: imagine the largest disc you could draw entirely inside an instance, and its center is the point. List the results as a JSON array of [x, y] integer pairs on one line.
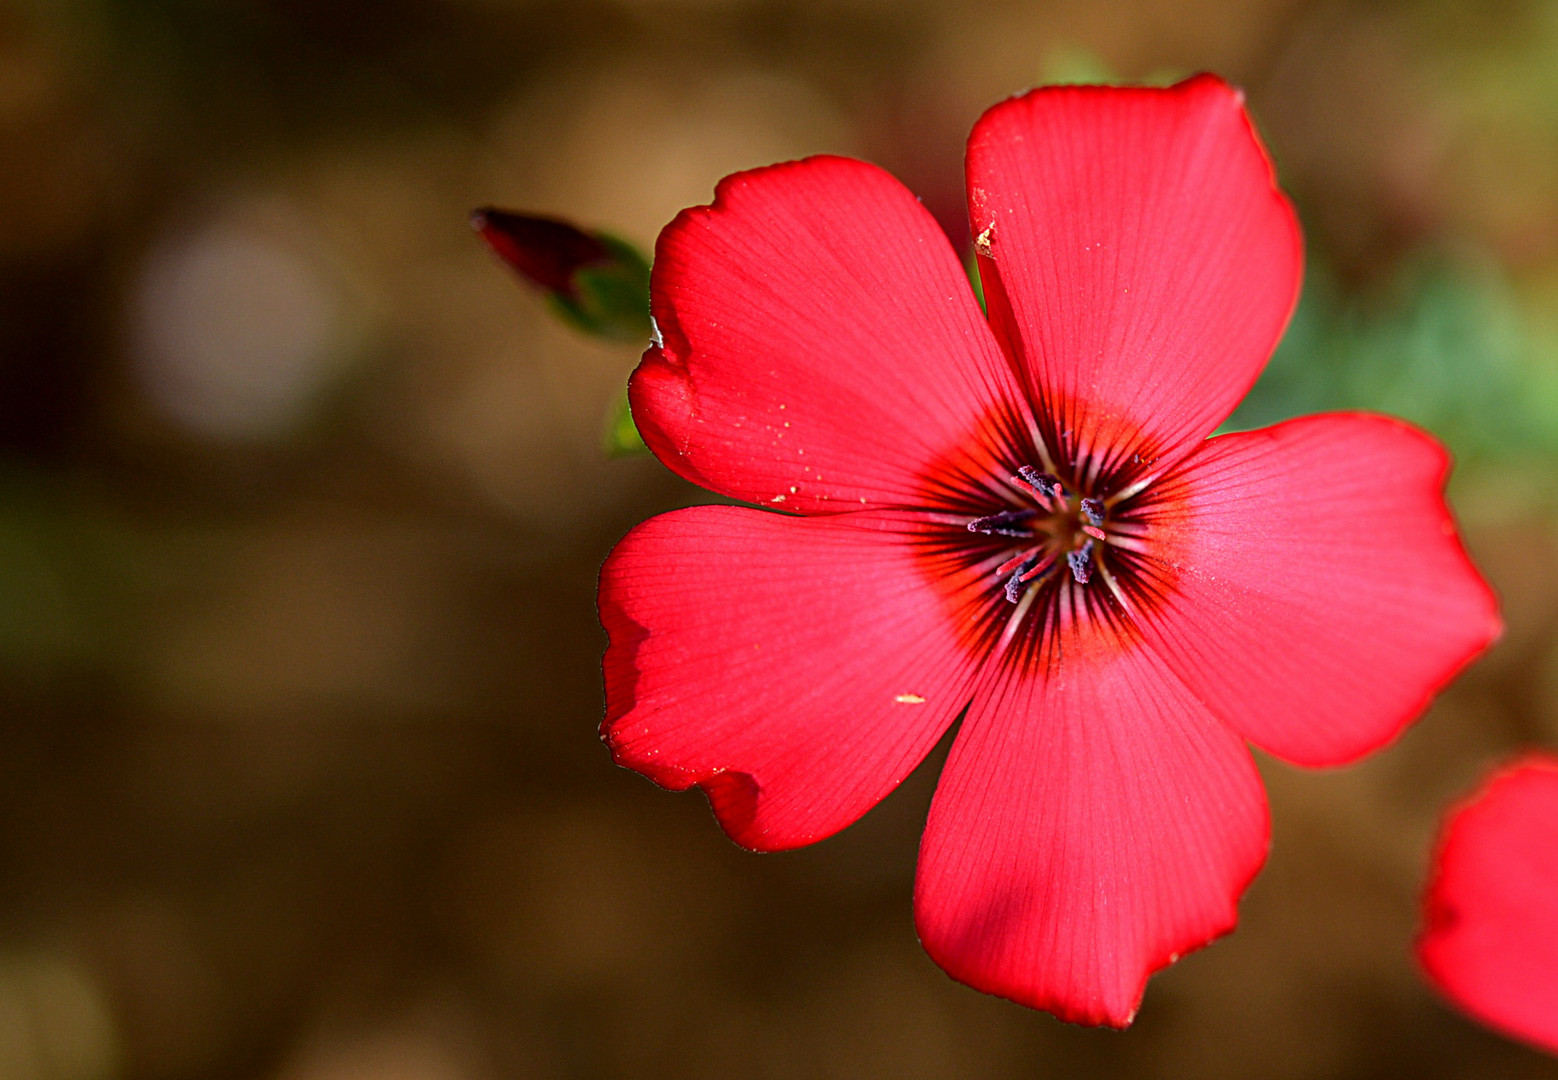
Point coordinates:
[[1141, 262], [796, 668], [1314, 593], [822, 347], [1092, 824], [1491, 940]]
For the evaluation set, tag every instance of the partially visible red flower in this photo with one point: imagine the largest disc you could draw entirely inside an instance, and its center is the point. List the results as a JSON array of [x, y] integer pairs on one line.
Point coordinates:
[[1490, 934], [1024, 518]]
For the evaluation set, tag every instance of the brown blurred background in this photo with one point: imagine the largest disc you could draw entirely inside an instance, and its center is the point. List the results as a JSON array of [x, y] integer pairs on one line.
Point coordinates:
[[302, 500]]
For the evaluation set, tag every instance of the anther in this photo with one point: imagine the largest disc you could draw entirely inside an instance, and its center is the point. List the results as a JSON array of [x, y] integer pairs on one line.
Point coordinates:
[[1081, 563], [1043, 483], [1093, 510], [1014, 584], [1001, 524]]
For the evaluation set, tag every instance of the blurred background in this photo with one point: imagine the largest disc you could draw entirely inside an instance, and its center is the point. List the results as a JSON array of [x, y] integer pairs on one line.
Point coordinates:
[[302, 499]]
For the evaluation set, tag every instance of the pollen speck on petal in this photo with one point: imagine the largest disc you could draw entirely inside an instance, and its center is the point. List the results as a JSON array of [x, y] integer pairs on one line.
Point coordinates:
[[982, 241]]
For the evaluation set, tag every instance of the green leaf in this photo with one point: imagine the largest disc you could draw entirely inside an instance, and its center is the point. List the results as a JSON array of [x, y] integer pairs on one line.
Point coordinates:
[[621, 437], [1068, 65], [1444, 345], [971, 268]]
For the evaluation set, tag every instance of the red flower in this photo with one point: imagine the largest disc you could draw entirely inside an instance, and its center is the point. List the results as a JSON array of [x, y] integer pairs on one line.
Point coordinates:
[[1490, 941], [1022, 518]]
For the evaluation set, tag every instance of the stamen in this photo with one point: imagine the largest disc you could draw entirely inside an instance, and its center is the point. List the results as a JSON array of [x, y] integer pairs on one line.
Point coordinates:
[[1014, 583], [1081, 563], [1056, 520], [1000, 524], [985, 567], [1018, 481], [1043, 565], [1013, 563], [1043, 483]]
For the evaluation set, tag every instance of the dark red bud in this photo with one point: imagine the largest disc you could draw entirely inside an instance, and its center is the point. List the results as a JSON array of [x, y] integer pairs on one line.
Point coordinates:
[[546, 251]]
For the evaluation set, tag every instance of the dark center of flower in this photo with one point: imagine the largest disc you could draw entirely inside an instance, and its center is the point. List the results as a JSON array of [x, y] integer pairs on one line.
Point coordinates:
[[1060, 526]]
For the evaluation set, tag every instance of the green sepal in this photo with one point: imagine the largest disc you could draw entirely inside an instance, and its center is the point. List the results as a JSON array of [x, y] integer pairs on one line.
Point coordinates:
[[610, 299]]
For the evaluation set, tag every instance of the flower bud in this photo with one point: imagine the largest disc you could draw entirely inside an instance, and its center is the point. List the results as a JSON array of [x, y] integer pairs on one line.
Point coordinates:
[[593, 281]]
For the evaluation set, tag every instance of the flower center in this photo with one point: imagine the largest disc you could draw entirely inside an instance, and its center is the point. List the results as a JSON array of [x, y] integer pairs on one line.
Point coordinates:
[[1061, 526]]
